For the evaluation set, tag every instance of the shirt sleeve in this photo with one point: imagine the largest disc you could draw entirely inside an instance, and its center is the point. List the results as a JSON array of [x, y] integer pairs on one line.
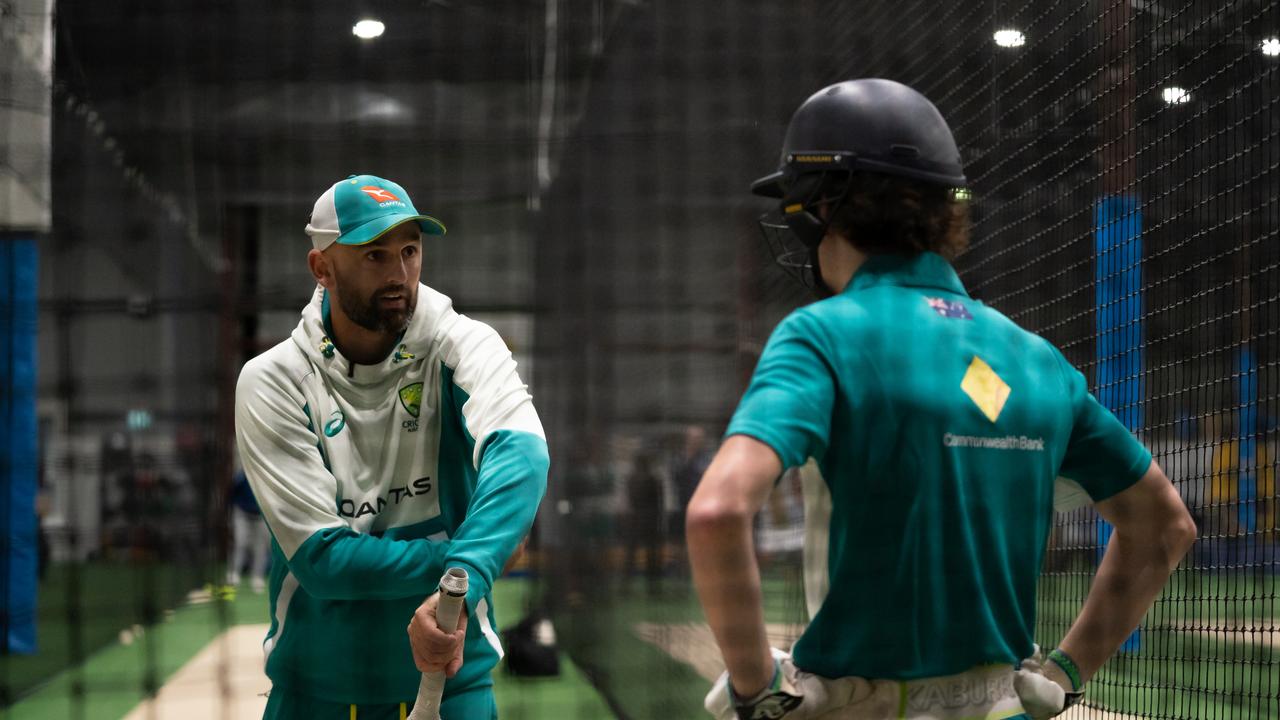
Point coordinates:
[[296, 493], [1102, 456], [788, 404], [509, 452]]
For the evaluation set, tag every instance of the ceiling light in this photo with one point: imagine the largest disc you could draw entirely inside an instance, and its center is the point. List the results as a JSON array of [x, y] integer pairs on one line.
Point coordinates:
[[1010, 38], [1175, 95], [368, 29], [1270, 46]]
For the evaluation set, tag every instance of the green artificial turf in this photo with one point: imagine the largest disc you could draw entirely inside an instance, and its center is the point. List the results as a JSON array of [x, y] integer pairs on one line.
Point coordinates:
[[569, 696], [126, 670], [1183, 666], [115, 676], [81, 609]]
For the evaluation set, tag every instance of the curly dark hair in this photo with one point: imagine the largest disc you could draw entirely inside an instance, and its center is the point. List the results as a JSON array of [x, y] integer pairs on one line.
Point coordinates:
[[887, 214]]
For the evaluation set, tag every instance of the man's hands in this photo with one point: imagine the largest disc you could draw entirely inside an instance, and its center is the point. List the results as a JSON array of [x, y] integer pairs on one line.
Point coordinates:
[[433, 649]]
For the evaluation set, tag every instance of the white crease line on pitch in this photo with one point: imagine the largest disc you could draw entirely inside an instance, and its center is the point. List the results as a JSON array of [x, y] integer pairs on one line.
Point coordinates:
[[224, 680], [1081, 712], [1251, 637], [694, 645]]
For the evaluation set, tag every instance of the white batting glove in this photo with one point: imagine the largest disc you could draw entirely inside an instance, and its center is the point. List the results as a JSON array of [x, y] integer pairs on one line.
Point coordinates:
[[1044, 687], [772, 703]]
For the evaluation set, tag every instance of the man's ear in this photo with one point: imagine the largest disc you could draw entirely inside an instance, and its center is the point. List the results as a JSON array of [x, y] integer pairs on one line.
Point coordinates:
[[321, 268]]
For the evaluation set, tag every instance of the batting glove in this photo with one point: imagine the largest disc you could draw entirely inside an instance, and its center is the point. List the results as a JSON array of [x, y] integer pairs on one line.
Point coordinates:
[[773, 702], [1047, 686], [778, 698]]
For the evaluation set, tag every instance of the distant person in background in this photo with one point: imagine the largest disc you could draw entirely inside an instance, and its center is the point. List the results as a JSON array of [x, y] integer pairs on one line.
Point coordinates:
[[151, 506], [642, 521], [1184, 450], [1242, 491], [250, 539], [1223, 500], [1268, 489], [44, 504], [779, 530], [588, 507], [687, 470]]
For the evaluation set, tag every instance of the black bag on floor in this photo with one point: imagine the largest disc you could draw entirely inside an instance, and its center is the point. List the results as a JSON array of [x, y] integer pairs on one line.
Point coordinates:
[[531, 648]]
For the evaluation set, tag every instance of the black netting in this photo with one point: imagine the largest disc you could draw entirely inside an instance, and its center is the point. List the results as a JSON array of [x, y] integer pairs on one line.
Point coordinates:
[[1123, 162], [592, 160]]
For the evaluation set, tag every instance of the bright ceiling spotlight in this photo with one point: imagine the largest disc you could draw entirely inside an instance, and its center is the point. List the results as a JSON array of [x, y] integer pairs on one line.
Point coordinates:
[[1175, 95], [1010, 38], [1270, 46], [368, 29]]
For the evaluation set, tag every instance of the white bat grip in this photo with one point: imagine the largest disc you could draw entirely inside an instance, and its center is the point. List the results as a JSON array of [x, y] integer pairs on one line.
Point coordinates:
[[453, 590]]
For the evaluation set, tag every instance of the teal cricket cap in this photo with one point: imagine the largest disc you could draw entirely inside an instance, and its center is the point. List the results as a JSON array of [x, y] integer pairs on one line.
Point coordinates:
[[360, 209]]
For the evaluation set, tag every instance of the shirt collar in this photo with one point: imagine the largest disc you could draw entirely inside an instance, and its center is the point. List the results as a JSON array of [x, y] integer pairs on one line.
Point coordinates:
[[923, 270]]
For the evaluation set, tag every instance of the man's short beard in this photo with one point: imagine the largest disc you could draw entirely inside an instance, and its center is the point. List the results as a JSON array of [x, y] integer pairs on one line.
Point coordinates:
[[371, 317]]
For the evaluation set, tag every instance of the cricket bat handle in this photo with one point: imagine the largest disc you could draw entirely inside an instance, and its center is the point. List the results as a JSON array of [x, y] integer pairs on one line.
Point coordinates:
[[453, 590]]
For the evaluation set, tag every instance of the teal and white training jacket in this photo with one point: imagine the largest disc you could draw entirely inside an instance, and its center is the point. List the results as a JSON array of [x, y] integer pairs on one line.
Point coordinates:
[[376, 478]]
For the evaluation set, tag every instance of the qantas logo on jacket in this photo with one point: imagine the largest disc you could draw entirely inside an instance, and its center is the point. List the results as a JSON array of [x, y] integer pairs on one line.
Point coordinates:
[[352, 509]]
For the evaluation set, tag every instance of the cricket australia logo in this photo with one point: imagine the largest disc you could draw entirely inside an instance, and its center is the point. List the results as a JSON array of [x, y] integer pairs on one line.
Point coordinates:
[[411, 399]]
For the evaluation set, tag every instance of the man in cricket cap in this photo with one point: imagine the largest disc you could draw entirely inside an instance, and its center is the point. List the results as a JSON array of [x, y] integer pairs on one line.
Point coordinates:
[[387, 440]]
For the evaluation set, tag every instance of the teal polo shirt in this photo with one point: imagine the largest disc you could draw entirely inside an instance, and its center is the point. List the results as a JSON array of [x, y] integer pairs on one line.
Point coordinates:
[[939, 426]]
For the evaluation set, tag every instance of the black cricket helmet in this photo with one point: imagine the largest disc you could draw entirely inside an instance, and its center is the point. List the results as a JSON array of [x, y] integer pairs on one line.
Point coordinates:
[[868, 125]]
